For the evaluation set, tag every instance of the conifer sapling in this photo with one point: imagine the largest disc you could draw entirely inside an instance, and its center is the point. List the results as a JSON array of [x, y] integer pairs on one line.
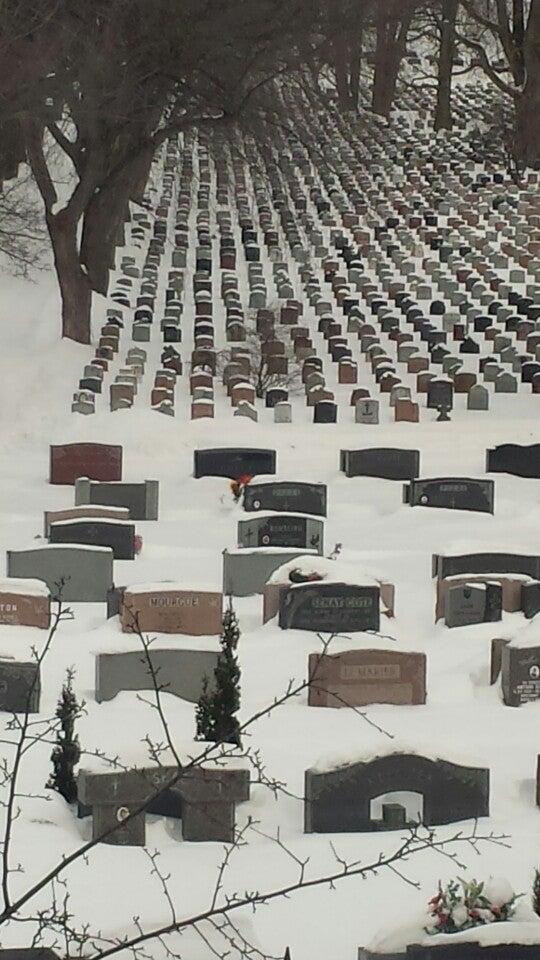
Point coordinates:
[[66, 754], [216, 709]]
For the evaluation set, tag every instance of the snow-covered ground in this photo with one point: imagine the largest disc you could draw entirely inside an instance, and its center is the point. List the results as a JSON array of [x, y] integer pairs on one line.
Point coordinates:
[[463, 718]]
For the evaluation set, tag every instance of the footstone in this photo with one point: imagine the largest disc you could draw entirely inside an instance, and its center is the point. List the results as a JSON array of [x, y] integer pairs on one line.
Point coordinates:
[[281, 530], [452, 493], [246, 571], [286, 497], [98, 461], [233, 462], [360, 677], [470, 603], [330, 607], [178, 672], [167, 608], [119, 535], [390, 463], [87, 572], [141, 499], [339, 800]]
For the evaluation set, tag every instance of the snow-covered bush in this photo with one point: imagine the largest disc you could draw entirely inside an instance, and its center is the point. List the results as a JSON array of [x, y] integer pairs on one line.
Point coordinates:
[[461, 905]]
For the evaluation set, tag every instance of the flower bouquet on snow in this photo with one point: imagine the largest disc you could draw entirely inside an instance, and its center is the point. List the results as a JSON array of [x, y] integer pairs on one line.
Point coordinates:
[[461, 905]]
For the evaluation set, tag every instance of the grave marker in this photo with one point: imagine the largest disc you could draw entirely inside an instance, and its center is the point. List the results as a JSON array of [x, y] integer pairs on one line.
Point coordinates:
[[167, 608], [286, 497], [452, 493], [339, 800], [87, 571], [360, 677], [25, 603], [141, 499], [330, 607], [179, 672], [389, 463], [281, 530], [98, 461], [233, 462]]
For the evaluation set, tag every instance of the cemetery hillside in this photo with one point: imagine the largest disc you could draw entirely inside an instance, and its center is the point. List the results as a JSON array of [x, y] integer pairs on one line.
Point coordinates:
[[270, 479]]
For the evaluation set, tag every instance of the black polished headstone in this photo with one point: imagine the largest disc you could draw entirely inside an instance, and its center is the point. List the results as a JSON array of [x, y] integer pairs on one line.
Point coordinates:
[[233, 462], [452, 493], [286, 497], [389, 463], [521, 461], [330, 608]]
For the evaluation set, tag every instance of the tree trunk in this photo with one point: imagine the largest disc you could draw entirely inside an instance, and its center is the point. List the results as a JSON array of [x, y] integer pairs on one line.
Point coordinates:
[[354, 77], [104, 215], [385, 80], [443, 109], [528, 103], [74, 286], [528, 127], [341, 71], [387, 60]]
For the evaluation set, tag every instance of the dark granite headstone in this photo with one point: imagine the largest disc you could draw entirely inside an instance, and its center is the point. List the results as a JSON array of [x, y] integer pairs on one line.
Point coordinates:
[[330, 608], [286, 497], [325, 411], [389, 463], [453, 493], [339, 801], [469, 603], [233, 462], [444, 565], [522, 461], [281, 530], [469, 950], [20, 686], [520, 670], [440, 393], [119, 535], [204, 799], [530, 599]]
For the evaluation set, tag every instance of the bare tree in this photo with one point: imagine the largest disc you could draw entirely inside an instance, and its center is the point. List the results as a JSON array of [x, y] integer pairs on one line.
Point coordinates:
[[261, 373], [23, 236], [393, 20], [447, 47], [119, 79], [42, 908], [510, 29]]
